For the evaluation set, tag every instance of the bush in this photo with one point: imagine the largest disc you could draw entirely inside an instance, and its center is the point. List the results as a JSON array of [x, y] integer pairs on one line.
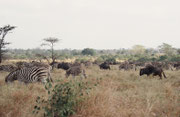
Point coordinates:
[[62, 98], [163, 58], [143, 59], [175, 58], [111, 60], [88, 51]]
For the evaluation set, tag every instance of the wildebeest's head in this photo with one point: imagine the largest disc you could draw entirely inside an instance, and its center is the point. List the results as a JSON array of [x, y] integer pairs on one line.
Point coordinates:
[[141, 71]]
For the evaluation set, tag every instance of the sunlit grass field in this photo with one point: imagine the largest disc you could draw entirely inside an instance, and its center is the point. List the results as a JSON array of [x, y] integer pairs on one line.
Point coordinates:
[[118, 94]]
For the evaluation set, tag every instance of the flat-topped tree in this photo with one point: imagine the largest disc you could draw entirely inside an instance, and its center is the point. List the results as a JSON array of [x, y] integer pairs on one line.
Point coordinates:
[[3, 32], [50, 41]]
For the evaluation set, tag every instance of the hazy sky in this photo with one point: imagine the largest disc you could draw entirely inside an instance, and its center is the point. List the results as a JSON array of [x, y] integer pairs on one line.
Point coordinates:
[[99, 24]]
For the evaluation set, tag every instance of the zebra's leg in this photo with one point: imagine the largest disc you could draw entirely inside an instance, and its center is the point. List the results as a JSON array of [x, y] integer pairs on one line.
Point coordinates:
[[84, 74], [49, 77]]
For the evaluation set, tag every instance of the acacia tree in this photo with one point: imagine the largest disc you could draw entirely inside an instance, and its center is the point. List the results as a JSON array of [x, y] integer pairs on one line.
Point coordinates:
[[167, 49], [50, 41], [138, 49], [3, 32]]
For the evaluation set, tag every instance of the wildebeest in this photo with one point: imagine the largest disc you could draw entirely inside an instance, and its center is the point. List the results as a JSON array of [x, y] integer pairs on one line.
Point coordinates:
[[64, 65], [87, 63], [126, 66], [104, 65], [75, 70], [177, 65], [150, 69]]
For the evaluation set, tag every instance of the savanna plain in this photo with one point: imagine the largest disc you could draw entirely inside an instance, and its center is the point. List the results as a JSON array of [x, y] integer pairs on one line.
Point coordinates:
[[114, 93]]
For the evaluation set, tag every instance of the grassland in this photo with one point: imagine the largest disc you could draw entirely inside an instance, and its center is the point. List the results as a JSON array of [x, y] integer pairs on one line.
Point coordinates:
[[119, 94]]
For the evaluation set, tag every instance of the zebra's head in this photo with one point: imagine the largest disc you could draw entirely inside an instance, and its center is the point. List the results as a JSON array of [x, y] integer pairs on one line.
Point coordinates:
[[11, 77]]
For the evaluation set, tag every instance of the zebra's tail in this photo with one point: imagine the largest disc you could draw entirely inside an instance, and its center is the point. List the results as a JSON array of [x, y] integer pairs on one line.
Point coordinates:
[[49, 75]]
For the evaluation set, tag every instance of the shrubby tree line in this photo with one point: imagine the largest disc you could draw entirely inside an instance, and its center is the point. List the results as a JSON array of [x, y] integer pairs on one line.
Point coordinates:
[[164, 52]]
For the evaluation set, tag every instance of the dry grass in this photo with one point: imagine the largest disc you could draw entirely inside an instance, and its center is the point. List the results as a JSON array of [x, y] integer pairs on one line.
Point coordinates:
[[119, 94]]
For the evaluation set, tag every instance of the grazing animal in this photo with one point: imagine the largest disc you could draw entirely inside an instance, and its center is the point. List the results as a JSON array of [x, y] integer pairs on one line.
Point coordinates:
[[87, 64], [74, 71], [104, 65], [149, 69], [177, 65], [64, 65], [125, 66], [30, 64], [30, 75], [54, 65], [7, 68]]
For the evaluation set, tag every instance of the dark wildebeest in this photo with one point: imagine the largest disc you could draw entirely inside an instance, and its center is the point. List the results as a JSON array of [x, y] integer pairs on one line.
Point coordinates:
[[104, 65], [75, 70], [150, 69], [64, 65], [177, 65]]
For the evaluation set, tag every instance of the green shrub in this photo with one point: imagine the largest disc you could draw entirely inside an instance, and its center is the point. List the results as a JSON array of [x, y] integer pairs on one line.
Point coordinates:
[[88, 51], [163, 58], [111, 60], [62, 98]]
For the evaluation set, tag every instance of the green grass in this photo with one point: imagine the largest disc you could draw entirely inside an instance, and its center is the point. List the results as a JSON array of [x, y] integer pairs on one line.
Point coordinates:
[[118, 94]]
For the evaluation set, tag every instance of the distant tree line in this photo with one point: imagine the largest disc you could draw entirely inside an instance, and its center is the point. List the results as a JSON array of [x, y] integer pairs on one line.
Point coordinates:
[[164, 52]]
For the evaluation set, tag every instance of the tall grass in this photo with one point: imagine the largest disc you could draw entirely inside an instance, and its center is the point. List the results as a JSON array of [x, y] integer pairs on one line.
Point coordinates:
[[118, 94]]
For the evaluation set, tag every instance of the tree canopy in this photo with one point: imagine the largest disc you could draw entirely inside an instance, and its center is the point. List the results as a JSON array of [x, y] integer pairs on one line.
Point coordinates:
[[88, 51], [3, 32]]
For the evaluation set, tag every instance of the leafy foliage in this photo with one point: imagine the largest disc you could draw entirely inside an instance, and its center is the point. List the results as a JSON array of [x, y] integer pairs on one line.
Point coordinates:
[[62, 98], [88, 51], [3, 32]]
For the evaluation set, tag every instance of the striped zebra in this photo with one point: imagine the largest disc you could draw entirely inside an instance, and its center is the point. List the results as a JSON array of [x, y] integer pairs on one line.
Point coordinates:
[[30, 75], [7, 68]]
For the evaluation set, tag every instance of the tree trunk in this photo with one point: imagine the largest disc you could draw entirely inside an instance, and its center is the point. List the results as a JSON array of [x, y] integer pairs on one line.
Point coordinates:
[[0, 55]]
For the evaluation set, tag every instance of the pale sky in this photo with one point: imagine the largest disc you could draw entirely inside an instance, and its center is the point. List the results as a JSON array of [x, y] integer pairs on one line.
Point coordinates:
[[99, 24]]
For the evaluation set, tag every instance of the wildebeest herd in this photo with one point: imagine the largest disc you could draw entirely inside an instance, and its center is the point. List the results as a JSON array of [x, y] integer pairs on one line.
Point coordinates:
[[28, 72]]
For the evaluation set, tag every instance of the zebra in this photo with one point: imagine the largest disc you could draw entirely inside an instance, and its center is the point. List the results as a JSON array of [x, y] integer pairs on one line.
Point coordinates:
[[7, 68], [30, 75]]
